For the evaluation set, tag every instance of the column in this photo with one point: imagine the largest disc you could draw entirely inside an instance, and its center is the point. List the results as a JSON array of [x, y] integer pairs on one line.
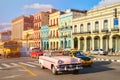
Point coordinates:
[[110, 42], [84, 43], [92, 42], [101, 42], [78, 43], [72, 43]]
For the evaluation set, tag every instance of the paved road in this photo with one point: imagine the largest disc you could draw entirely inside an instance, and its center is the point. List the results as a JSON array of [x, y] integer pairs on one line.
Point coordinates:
[[100, 70]]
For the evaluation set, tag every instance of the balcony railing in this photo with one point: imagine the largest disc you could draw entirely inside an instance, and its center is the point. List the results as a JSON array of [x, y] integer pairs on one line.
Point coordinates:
[[64, 28], [104, 30], [115, 29], [96, 31]]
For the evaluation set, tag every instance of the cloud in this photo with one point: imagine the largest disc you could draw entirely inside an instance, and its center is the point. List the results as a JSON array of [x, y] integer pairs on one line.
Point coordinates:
[[41, 7], [5, 26], [104, 3]]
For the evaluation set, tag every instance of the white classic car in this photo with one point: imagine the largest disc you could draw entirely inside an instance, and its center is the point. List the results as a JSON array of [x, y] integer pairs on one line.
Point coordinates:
[[56, 62]]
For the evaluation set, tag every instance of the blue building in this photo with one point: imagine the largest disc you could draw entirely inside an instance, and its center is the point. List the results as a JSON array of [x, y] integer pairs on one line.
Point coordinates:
[[44, 33], [65, 27]]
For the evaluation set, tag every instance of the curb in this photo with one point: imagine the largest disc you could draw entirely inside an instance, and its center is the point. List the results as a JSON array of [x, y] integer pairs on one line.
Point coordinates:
[[101, 59]]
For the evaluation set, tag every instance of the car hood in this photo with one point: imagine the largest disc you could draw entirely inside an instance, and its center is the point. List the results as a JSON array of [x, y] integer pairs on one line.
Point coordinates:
[[67, 59]]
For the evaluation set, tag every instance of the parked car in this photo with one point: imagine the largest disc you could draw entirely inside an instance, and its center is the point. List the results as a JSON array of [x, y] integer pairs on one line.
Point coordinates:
[[57, 62], [36, 52], [99, 51], [86, 61]]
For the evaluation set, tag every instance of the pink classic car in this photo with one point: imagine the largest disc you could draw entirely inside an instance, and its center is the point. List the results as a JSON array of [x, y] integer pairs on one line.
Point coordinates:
[[58, 63]]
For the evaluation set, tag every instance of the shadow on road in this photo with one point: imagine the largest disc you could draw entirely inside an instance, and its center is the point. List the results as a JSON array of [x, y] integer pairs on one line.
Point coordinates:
[[97, 67]]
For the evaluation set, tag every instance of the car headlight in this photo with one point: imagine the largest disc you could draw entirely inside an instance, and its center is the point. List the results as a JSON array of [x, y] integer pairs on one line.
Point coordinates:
[[80, 60], [60, 62]]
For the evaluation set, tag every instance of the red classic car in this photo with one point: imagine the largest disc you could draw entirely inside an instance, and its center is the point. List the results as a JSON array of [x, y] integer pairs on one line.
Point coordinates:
[[58, 63], [36, 52]]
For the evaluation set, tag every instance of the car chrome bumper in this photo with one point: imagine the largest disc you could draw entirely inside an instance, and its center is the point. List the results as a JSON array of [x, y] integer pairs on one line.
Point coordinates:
[[69, 69]]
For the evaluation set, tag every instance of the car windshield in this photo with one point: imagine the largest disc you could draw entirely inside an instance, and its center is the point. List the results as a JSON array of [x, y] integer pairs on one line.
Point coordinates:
[[53, 54], [79, 54]]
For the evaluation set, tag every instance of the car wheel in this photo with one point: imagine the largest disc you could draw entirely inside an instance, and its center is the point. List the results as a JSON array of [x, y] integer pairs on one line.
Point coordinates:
[[54, 71], [41, 66]]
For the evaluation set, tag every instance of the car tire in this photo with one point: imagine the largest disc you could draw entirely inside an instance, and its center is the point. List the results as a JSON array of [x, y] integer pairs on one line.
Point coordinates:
[[54, 71], [41, 66]]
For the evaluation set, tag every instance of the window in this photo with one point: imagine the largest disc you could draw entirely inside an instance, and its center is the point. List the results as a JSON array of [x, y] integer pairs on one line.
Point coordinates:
[[116, 23], [81, 28], [105, 24], [96, 25], [88, 27], [75, 29]]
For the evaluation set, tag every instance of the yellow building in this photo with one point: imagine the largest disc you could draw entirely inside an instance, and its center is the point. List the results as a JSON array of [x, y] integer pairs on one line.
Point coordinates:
[[28, 38], [53, 26], [99, 28]]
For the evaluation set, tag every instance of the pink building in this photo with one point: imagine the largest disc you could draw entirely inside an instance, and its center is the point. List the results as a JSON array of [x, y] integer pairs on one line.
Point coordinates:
[[40, 19]]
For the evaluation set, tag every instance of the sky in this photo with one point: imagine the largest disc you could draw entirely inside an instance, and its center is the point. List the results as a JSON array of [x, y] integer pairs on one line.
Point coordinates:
[[11, 9]]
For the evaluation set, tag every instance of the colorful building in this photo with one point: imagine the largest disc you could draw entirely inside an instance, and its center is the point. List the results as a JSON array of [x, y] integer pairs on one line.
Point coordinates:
[[20, 24], [40, 18], [28, 38], [65, 27], [54, 34], [99, 28], [44, 33], [5, 36]]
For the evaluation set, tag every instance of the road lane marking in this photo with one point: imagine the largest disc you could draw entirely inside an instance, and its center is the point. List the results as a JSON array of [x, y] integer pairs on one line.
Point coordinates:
[[14, 64], [33, 63], [6, 65], [26, 64], [27, 70], [0, 68], [12, 76]]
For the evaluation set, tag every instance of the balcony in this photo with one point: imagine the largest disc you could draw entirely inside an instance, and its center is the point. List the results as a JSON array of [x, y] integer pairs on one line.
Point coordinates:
[[96, 31], [115, 29], [64, 28], [53, 25], [105, 30]]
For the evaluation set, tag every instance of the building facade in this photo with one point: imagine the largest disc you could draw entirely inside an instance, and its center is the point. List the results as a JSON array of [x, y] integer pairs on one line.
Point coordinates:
[[40, 19], [5, 36], [28, 38], [100, 28], [44, 33], [54, 33], [20, 24], [65, 27]]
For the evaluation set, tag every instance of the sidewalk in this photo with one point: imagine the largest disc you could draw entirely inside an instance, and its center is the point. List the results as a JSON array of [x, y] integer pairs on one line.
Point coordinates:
[[112, 58]]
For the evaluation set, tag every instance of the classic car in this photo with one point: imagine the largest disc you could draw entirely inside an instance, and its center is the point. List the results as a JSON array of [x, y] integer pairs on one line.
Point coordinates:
[[57, 62], [99, 51], [86, 61], [36, 52]]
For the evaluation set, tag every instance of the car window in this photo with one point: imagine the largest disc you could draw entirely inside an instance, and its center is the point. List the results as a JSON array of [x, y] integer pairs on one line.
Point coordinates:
[[77, 54]]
